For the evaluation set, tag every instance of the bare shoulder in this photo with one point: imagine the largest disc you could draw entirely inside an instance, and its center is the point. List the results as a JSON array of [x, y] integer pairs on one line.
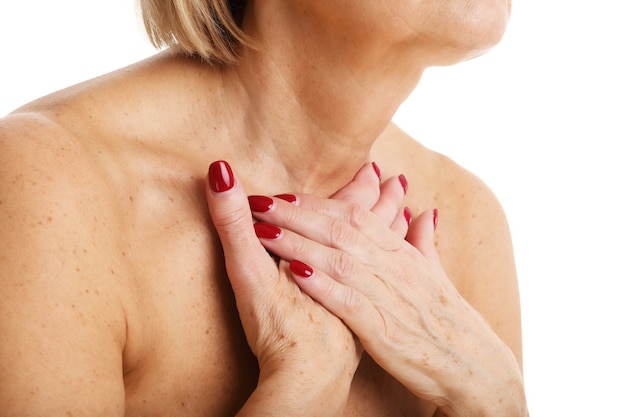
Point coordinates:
[[440, 182], [473, 237], [42, 159], [59, 313], [151, 99], [78, 147], [45, 169]]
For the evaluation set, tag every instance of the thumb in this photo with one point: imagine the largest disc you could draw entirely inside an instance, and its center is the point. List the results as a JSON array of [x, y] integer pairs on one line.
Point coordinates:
[[247, 262]]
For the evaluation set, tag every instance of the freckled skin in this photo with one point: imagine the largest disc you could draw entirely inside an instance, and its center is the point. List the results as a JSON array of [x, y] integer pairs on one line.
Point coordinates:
[[111, 273], [144, 269]]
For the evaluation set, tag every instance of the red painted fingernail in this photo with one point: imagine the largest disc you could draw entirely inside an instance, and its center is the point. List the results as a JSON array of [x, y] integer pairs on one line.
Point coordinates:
[[260, 203], [403, 182], [408, 216], [266, 230], [287, 197], [376, 170], [435, 218], [301, 269], [221, 177]]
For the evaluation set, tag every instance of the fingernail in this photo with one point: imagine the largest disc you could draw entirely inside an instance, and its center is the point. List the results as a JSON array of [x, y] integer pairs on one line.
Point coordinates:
[[408, 216], [300, 269], [266, 230], [403, 182], [376, 170], [435, 218], [260, 203], [221, 177], [287, 197]]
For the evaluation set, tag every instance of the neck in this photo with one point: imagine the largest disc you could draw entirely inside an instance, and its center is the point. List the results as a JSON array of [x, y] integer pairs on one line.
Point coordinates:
[[314, 97]]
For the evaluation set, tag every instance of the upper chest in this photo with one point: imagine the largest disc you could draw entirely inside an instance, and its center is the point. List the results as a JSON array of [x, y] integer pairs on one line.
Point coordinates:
[[186, 352]]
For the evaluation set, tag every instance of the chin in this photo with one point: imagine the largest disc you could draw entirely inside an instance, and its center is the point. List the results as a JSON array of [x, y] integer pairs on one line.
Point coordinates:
[[470, 30], [483, 25], [486, 24]]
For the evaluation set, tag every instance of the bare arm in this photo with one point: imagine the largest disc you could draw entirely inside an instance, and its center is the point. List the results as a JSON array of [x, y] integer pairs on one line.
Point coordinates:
[[62, 328]]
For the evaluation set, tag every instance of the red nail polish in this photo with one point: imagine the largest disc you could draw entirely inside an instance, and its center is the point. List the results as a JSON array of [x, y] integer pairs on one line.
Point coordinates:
[[221, 177], [408, 216], [435, 218], [287, 197], [260, 203], [403, 182], [266, 230], [376, 170], [300, 269]]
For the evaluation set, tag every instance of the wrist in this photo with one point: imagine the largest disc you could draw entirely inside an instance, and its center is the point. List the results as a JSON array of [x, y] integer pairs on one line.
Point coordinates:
[[489, 393], [299, 391]]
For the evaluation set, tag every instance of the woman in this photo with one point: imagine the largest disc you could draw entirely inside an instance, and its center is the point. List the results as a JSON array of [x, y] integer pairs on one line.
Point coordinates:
[[114, 295]]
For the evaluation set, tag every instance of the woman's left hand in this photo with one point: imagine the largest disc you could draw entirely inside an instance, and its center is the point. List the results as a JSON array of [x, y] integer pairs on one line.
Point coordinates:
[[395, 296]]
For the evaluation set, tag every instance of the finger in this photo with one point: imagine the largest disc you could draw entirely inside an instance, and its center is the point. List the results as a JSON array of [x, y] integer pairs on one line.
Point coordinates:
[[288, 245], [401, 223], [421, 234], [247, 262], [345, 302], [351, 268], [388, 207], [332, 223], [364, 188], [389, 204]]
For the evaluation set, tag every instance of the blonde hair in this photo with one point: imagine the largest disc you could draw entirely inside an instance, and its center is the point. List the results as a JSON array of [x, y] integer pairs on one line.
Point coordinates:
[[208, 28]]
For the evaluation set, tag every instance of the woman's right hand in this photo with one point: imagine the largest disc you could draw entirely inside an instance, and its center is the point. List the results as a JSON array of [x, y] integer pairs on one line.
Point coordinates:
[[306, 355]]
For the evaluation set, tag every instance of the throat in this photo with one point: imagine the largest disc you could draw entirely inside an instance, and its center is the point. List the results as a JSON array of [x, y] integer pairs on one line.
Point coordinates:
[[315, 170]]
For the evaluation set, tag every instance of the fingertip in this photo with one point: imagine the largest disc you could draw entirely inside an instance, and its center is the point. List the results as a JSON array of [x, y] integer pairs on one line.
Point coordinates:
[[260, 203], [300, 269], [290, 198], [369, 173], [267, 231], [408, 216], [389, 206], [421, 234], [377, 171], [364, 189], [404, 183], [401, 223], [220, 177], [231, 216]]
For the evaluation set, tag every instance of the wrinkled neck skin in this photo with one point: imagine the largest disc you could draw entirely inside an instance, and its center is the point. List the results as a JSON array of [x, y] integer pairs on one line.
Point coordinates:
[[326, 77]]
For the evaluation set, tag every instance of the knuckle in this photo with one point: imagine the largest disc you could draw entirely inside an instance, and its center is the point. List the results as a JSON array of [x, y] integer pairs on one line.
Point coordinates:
[[225, 219], [343, 265], [340, 233], [357, 215], [291, 214], [299, 248], [353, 304]]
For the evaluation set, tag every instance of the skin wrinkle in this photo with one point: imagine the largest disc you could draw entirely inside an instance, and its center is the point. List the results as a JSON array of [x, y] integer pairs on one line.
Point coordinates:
[[400, 17], [333, 56], [273, 147], [343, 265], [267, 117], [278, 69]]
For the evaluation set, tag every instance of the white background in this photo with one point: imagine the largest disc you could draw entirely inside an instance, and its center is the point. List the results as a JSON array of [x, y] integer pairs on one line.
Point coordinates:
[[541, 119]]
